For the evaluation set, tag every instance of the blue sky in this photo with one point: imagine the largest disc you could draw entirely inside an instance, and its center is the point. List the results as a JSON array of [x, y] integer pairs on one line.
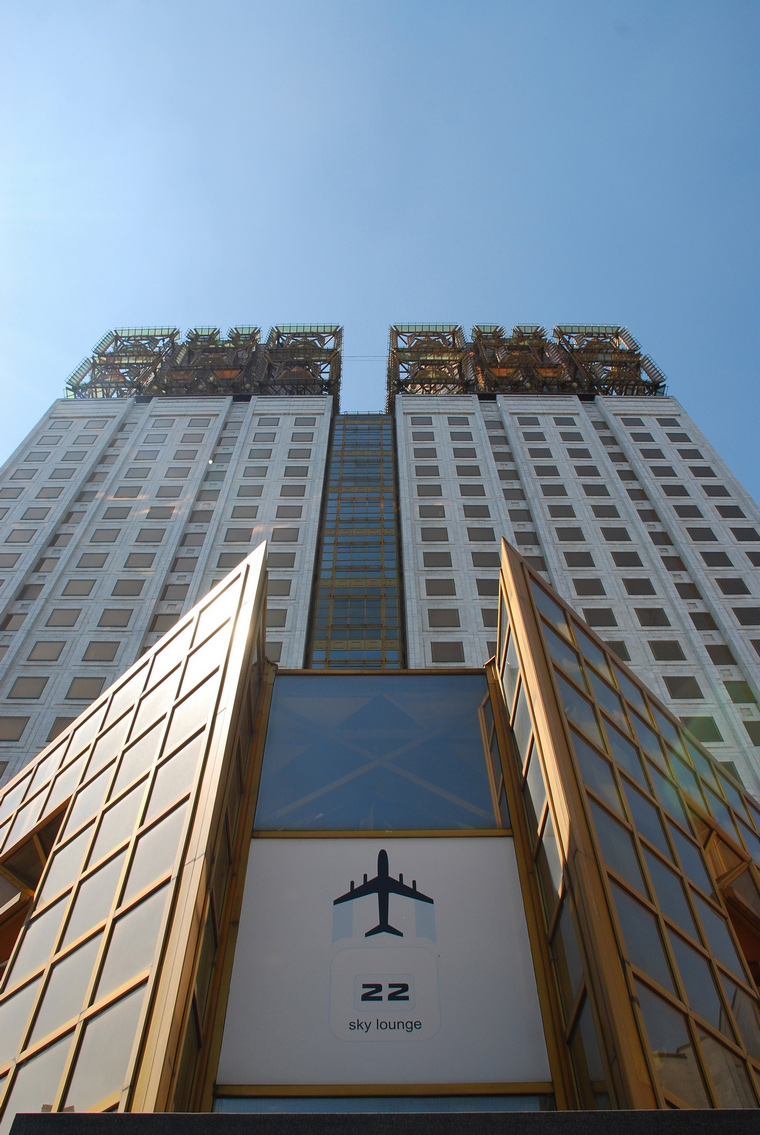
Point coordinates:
[[363, 162]]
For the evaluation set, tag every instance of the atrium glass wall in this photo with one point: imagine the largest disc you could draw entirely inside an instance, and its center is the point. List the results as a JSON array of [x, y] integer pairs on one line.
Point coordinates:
[[356, 609], [646, 850]]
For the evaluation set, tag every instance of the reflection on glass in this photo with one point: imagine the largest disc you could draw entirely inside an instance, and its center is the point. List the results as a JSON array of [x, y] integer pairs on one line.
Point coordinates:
[[87, 801], [107, 746], [156, 852], [175, 777], [728, 1073], [672, 1048], [723, 817], [626, 755], [133, 943], [551, 611], [64, 995], [596, 772], [698, 982], [138, 758], [746, 1010], [669, 894], [155, 704], [553, 860], [65, 865], [718, 938], [522, 726], [220, 608], [94, 898], [38, 941], [579, 710], [205, 659], [14, 1013], [686, 778], [564, 656], [587, 1059], [666, 727], [630, 691], [503, 626], [36, 1083], [535, 790], [118, 823], [692, 861], [171, 654], [192, 713], [617, 847], [648, 740], [608, 700], [646, 820], [665, 792], [567, 957], [511, 673], [372, 752], [65, 783], [84, 733], [591, 651], [641, 935], [104, 1053], [126, 695], [45, 769]]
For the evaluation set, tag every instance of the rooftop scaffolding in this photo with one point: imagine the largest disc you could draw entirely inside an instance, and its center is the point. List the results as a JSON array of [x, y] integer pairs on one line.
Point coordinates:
[[301, 358], [428, 358]]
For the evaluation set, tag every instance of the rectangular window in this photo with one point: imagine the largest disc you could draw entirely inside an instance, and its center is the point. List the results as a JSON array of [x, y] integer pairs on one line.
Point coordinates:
[[128, 587], [78, 587], [426, 471], [115, 617], [238, 535], [481, 535], [20, 535], [667, 650], [285, 535], [291, 490], [45, 651], [127, 491], [569, 535], [720, 655], [702, 535], [748, 616], [231, 559], [28, 687], [472, 490], [436, 559], [84, 689], [100, 651], [443, 617], [579, 559], [105, 536], [652, 617], [447, 651], [139, 560], [639, 586], [546, 470], [434, 535], [616, 535], [12, 728], [63, 616], [150, 535], [289, 512], [599, 617], [745, 535]]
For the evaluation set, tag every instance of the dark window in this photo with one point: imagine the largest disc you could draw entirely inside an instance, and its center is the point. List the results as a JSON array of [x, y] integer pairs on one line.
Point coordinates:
[[675, 490], [484, 559], [702, 620], [480, 535], [115, 617], [703, 728], [150, 535], [556, 511], [579, 559], [627, 559], [748, 616], [683, 687], [45, 652], [139, 560], [431, 512], [569, 535], [716, 559], [128, 586], [687, 591], [472, 490], [546, 470], [588, 587], [720, 654], [745, 535], [663, 471], [702, 535], [429, 491], [440, 587], [733, 586], [599, 617], [554, 490], [487, 586], [443, 617], [436, 559], [639, 586], [434, 535], [445, 652], [702, 471], [688, 511], [427, 471], [100, 651], [652, 617], [673, 563], [616, 535], [479, 511], [715, 491], [620, 649], [667, 651], [740, 693]]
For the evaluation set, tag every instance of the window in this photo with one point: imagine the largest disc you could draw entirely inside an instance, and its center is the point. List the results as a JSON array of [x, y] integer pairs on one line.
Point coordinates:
[[105, 536], [443, 617], [63, 616], [100, 651], [129, 491], [169, 492], [688, 511], [554, 490], [128, 586], [733, 586], [587, 471], [740, 693], [627, 559], [652, 617], [45, 651], [703, 728], [632, 421], [715, 491], [199, 422], [79, 587], [136, 473], [160, 512], [232, 559], [421, 420], [280, 587], [754, 558], [748, 616], [481, 559], [569, 535], [468, 471], [683, 687], [637, 586], [556, 511], [487, 586], [546, 470], [439, 559], [85, 689], [588, 587], [481, 535], [28, 687], [616, 535], [441, 652], [702, 621], [434, 535], [667, 650], [285, 535], [426, 471], [460, 435], [12, 728], [117, 512], [429, 491], [675, 490], [276, 616], [472, 490], [745, 535], [720, 655], [303, 421], [579, 559], [150, 535], [458, 420], [201, 516], [687, 591], [238, 535], [599, 617], [115, 617], [20, 535], [12, 622], [139, 560], [663, 470], [277, 559], [32, 513]]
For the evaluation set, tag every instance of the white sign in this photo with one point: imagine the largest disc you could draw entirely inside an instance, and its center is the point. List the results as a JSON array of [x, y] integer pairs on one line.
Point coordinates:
[[389, 961]]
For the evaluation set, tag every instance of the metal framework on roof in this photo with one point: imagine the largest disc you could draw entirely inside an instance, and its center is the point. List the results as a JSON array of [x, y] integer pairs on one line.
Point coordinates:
[[154, 361], [582, 359]]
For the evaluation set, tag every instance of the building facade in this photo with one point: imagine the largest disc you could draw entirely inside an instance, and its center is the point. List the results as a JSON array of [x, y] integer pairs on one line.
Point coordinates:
[[171, 458]]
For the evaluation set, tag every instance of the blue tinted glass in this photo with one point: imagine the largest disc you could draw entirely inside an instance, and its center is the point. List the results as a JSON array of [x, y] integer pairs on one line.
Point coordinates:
[[375, 753]]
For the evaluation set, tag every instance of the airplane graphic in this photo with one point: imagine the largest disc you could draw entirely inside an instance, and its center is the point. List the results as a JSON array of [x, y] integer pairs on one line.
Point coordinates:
[[383, 885]]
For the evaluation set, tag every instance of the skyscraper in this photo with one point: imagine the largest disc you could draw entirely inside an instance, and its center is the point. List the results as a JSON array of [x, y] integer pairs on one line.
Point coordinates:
[[170, 459]]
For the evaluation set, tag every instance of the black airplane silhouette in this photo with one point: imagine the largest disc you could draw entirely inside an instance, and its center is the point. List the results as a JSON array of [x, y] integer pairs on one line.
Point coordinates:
[[383, 885]]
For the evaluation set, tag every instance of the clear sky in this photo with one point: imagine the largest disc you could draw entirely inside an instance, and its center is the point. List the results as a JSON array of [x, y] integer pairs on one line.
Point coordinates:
[[176, 162]]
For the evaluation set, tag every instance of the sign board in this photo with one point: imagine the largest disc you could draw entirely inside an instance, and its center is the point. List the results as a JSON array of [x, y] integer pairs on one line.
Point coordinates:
[[388, 961]]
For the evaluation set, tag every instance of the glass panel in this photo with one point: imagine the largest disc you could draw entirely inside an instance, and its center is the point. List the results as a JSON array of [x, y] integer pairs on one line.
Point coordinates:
[[591, 651], [118, 823], [38, 941], [101, 1065], [87, 801], [551, 851], [578, 709], [608, 700], [218, 610], [701, 763], [723, 817], [156, 852], [65, 783], [668, 797], [85, 732], [195, 711], [646, 820], [751, 842], [155, 704], [522, 724], [565, 658], [94, 898], [617, 847], [630, 691], [641, 935], [65, 865], [687, 779], [107, 747], [550, 610], [511, 673], [699, 984], [596, 773], [14, 1013], [503, 627], [728, 1073], [45, 769], [692, 861], [203, 661], [718, 938], [36, 1083], [64, 995], [534, 791], [732, 795], [746, 1012], [126, 695], [567, 957], [133, 942], [171, 655], [175, 777], [648, 740], [587, 1059], [666, 727], [138, 758], [672, 1048], [626, 755], [375, 752], [669, 894]]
